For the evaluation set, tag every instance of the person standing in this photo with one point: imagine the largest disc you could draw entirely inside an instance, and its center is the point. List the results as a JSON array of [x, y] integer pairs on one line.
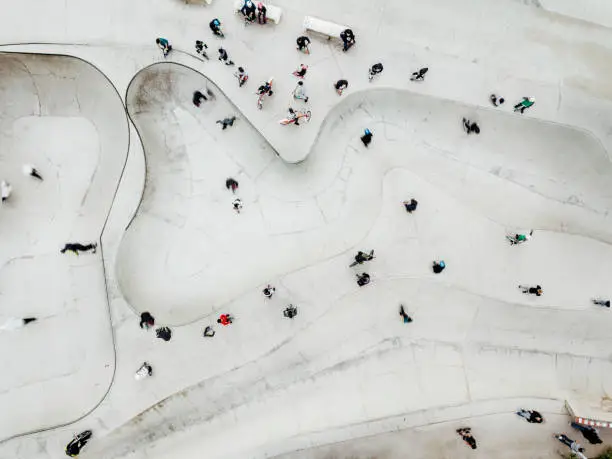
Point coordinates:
[[232, 184], [348, 39], [146, 320], [242, 76], [237, 204], [340, 86], [268, 291], [299, 92], [208, 332], [411, 205], [224, 57], [302, 44], [363, 279], [375, 70], [366, 138]]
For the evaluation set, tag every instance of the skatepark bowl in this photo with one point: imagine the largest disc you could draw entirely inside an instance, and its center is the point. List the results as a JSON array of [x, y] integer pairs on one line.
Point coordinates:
[[186, 256], [62, 115], [187, 252]]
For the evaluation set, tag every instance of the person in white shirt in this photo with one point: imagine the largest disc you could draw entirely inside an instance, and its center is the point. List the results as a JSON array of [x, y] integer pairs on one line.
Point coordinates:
[[6, 189], [299, 92]]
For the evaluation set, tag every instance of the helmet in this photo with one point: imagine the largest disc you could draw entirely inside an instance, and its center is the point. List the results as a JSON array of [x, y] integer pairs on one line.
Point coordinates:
[[367, 132], [216, 22]]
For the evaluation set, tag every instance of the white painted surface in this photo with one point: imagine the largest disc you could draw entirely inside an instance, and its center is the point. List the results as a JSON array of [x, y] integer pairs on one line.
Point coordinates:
[[267, 380]]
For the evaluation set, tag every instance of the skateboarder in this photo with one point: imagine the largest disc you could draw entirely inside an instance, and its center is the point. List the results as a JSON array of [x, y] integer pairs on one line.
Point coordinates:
[[231, 184], [31, 171], [537, 290], [164, 333], [532, 416], [406, 317], [76, 248], [366, 138]]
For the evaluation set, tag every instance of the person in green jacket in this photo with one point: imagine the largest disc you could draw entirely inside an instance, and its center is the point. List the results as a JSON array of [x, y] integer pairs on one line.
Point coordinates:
[[524, 104]]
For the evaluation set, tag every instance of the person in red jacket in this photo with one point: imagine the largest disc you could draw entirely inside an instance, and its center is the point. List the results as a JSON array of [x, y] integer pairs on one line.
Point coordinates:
[[225, 319]]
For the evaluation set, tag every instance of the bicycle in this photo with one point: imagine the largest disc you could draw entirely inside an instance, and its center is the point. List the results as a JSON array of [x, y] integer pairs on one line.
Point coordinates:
[[299, 115]]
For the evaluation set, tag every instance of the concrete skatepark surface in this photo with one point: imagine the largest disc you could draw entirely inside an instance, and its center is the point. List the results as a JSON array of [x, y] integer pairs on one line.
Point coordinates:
[[171, 244]]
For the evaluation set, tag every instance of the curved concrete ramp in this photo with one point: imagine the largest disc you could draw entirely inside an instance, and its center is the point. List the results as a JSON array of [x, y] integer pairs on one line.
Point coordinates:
[[63, 116], [187, 252]]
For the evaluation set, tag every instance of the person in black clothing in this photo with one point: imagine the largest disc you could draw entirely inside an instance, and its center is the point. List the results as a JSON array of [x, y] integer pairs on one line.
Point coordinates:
[[348, 39], [411, 205], [537, 290], [198, 97], [340, 86], [208, 332], [302, 44], [363, 279], [466, 434], [588, 432], [164, 333], [225, 122], [532, 416], [420, 75], [261, 13], [470, 126], [366, 138], [438, 266], [375, 70], [146, 320], [232, 184], [75, 247]]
